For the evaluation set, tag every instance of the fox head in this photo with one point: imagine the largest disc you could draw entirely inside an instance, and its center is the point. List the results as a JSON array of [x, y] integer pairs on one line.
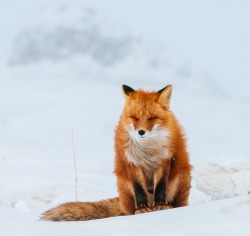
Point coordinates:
[[146, 113]]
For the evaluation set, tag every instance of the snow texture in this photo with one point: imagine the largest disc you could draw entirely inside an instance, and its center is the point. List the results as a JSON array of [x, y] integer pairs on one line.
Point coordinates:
[[65, 74]]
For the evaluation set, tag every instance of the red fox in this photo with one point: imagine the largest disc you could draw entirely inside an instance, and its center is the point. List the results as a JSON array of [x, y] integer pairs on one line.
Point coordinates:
[[151, 162]]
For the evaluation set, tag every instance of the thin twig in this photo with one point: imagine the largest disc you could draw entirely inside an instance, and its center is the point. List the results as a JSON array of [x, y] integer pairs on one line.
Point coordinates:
[[74, 155]]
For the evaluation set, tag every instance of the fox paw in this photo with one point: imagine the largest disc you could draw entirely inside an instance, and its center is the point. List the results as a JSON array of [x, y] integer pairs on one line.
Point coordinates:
[[160, 207], [143, 209]]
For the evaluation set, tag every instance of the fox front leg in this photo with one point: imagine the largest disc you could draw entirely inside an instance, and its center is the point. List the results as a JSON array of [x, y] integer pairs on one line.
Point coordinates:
[[141, 199], [160, 196]]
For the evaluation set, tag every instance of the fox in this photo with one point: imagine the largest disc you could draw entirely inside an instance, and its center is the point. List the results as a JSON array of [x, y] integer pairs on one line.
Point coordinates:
[[151, 164]]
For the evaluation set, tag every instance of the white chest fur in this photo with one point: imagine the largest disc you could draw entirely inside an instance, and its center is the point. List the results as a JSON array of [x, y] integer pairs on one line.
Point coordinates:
[[147, 150]]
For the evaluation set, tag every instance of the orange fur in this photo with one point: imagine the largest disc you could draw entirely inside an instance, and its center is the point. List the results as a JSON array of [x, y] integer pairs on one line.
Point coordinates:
[[151, 162]]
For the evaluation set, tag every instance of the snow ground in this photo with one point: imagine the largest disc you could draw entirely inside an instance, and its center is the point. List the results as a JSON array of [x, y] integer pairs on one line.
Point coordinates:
[[44, 96], [224, 217]]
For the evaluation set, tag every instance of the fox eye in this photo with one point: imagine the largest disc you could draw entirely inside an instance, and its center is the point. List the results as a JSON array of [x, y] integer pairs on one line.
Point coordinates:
[[152, 118], [134, 117]]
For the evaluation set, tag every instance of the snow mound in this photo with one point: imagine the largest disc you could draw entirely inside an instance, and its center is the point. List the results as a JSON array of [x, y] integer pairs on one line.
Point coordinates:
[[223, 181]]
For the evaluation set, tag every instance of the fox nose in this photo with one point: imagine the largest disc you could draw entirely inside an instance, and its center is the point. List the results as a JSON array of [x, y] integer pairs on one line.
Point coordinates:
[[141, 132]]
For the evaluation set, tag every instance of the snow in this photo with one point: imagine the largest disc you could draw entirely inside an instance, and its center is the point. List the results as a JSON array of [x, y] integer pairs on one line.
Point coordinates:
[[224, 217], [51, 86]]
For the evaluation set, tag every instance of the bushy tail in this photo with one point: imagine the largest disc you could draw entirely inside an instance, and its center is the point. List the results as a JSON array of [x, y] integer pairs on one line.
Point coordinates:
[[81, 211]]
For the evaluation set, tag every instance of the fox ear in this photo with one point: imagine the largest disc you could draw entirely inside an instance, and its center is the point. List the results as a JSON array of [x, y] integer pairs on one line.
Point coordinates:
[[165, 96], [127, 90]]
